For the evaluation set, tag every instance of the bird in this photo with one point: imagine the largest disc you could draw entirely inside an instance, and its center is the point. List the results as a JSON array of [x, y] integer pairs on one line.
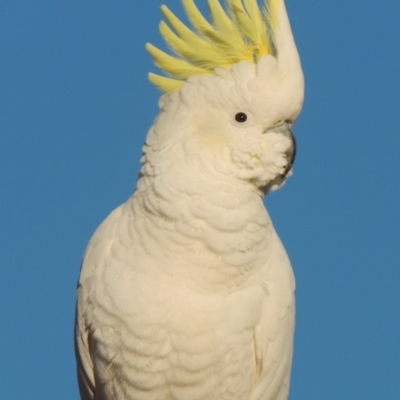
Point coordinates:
[[186, 291]]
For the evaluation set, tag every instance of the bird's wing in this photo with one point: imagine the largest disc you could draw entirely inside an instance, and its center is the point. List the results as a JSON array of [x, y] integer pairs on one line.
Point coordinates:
[[94, 256], [84, 358], [273, 343]]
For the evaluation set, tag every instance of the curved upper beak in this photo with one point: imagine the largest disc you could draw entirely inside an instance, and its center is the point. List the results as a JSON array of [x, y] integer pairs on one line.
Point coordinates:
[[286, 130], [292, 155]]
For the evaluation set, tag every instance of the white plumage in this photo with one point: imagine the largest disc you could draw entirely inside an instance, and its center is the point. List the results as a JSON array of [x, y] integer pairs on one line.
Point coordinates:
[[186, 292]]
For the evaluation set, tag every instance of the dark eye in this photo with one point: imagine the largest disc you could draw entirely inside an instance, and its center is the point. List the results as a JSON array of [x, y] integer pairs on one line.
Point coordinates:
[[241, 117]]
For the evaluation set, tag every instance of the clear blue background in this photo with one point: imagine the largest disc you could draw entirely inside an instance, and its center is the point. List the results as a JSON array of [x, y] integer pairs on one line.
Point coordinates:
[[75, 106]]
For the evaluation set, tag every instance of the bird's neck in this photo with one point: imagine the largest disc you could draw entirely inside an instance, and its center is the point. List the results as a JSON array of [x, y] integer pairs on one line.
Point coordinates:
[[199, 222]]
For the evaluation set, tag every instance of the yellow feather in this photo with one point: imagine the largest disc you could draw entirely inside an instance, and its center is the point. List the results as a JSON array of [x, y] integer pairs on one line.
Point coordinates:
[[198, 50], [257, 28], [203, 54], [228, 33], [239, 15], [197, 19], [178, 68], [241, 31], [272, 7], [221, 20], [250, 21], [219, 42], [180, 28], [165, 84]]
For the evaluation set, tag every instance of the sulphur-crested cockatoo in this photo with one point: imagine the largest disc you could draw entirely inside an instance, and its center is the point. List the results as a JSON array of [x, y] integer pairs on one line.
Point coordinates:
[[186, 292]]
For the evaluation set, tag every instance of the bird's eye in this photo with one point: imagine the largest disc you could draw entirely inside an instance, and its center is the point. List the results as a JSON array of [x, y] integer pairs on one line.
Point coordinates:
[[241, 117]]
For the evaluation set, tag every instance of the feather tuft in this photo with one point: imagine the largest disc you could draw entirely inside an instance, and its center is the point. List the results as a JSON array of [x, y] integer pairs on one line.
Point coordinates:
[[240, 31]]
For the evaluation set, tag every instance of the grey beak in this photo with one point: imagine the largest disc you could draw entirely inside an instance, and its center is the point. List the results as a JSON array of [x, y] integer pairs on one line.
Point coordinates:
[[292, 156], [286, 129]]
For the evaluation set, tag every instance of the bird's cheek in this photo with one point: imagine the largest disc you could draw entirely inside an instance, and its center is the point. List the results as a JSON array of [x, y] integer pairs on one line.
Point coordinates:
[[210, 131]]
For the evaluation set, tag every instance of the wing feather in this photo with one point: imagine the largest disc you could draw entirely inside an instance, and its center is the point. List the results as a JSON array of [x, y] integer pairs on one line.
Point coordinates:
[[84, 359], [94, 255], [274, 340]]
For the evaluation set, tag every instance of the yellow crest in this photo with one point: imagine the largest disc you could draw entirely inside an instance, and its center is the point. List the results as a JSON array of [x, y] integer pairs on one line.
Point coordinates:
[[240, 31]]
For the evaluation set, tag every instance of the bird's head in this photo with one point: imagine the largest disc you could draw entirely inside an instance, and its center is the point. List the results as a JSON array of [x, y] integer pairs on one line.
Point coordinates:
[[234, 88]]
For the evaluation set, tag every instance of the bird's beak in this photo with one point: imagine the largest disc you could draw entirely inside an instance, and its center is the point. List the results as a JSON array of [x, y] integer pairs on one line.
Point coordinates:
[[286, 130], [292, 154]]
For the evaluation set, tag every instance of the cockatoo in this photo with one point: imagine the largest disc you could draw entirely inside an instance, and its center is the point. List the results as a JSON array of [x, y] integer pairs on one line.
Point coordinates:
[[186, 292]]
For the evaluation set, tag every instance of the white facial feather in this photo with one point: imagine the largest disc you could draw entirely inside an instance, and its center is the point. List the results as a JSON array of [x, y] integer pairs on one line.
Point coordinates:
[[203, 121]]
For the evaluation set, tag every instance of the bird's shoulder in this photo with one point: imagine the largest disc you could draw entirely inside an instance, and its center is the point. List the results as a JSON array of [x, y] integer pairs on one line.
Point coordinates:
[[102, 241]]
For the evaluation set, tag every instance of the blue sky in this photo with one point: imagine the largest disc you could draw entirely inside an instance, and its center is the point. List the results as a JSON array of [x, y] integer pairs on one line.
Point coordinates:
[[75, 106]]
